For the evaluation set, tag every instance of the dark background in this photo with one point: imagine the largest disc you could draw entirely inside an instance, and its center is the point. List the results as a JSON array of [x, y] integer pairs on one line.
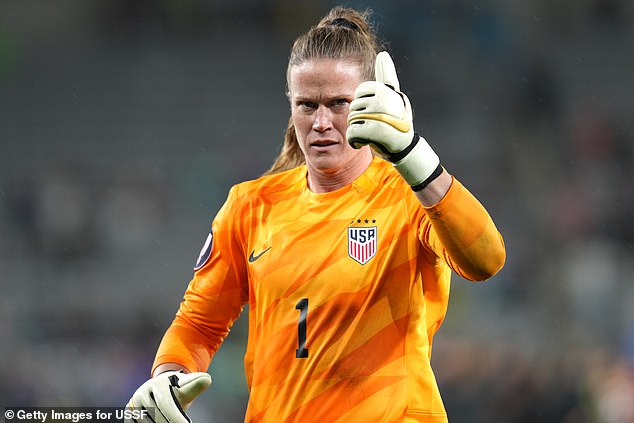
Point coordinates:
[[123, 123]]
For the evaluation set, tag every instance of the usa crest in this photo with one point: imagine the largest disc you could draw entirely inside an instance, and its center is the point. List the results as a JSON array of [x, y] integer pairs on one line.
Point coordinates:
[[362, 243]]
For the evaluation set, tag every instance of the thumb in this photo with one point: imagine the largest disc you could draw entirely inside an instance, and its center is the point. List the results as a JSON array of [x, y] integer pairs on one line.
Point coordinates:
[[190, 386], [385, 71]]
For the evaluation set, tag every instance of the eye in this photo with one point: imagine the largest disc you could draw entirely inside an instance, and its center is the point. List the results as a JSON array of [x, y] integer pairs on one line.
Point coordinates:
[[341, 102], [307, 105]]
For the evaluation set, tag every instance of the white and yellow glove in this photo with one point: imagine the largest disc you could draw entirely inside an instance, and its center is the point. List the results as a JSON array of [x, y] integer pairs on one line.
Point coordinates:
[[168, 395], [381, 116]]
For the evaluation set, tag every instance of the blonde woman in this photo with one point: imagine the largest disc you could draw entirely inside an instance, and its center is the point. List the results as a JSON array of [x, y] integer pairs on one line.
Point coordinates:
[[343, 252]]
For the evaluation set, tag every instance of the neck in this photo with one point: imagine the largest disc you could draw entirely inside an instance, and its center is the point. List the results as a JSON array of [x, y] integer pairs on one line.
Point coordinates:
[[322, 181]]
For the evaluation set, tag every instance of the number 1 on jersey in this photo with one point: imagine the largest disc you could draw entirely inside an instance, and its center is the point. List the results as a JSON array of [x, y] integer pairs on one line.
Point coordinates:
[[302, 306]]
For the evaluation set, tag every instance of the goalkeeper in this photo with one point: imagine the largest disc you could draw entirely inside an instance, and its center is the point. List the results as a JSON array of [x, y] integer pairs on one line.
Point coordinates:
[[343, 251]]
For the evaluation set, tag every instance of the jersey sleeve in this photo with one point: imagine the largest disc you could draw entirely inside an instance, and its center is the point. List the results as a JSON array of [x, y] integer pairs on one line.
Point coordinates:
[[461, 231], [214, 297]]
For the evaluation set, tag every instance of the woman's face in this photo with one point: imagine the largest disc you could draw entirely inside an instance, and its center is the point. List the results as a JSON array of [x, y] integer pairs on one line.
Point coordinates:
[[320, 92]]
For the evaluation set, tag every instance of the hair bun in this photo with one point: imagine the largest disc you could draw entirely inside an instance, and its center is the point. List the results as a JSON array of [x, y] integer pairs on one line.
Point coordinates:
[[343, 22]]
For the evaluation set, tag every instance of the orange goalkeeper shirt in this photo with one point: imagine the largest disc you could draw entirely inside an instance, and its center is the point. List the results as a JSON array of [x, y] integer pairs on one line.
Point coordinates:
[[345, 291]]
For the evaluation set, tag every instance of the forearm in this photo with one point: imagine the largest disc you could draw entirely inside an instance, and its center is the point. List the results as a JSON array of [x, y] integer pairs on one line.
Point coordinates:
[[464, 232], [185, 348], [202, 322]]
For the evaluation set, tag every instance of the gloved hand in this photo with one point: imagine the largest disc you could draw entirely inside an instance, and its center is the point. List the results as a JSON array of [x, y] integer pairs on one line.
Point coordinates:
[[381, 116], [169, 395]]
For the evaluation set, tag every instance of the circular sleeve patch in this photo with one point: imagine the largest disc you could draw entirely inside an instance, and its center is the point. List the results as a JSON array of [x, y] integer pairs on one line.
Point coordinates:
[[205, 252]]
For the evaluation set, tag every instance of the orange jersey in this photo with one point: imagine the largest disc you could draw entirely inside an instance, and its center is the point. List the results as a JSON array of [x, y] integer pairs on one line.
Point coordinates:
[[345, 291]]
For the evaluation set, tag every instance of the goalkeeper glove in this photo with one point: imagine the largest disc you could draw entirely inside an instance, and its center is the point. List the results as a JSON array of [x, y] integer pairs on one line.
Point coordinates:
[[381, 116], [169, 395]]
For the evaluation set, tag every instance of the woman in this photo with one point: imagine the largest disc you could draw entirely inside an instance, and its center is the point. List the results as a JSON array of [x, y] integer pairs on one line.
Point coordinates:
[[343, 257]]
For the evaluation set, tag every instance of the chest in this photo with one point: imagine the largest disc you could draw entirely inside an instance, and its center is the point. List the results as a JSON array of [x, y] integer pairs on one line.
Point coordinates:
[[303, 251]]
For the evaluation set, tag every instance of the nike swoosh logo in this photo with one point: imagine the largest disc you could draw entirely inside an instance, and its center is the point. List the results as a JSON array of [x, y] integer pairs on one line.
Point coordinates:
[[253, 258]]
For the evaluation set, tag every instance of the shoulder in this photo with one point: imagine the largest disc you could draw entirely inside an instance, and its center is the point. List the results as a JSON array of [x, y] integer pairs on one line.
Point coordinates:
[[385, 177], [269, 188]]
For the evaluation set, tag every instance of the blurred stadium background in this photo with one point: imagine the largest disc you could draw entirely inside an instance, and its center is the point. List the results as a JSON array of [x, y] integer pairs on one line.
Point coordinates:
[[124, 123]]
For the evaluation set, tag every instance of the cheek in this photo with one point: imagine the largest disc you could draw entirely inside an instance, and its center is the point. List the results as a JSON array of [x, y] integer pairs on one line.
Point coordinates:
[[341, 123], [299, 122], [302, 121]]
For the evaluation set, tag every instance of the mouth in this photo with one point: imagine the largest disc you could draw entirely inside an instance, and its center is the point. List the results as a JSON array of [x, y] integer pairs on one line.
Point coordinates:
[[323, 145]]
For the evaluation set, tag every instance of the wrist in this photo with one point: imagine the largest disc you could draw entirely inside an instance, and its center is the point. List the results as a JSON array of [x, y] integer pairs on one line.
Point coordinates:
[[420, 166], [436, 190], [169, 367]]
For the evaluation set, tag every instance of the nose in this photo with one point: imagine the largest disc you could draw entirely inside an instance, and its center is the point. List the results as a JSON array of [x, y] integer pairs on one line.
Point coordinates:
[[323, 119]]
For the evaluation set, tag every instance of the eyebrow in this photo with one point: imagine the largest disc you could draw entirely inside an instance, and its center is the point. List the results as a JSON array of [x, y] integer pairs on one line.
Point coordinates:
[[321, 97]]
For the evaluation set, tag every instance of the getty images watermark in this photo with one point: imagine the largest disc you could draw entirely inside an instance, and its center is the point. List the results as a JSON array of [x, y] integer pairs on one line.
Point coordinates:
[[76, 414]]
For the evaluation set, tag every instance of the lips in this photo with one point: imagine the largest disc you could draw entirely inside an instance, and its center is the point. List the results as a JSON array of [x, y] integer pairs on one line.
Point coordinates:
[[323, 143]]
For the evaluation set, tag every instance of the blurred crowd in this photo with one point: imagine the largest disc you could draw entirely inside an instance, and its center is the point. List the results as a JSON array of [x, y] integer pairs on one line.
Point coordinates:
[[123, 125]]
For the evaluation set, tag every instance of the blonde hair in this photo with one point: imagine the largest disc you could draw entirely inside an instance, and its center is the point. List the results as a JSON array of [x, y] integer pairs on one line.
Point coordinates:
[[343, 34]]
